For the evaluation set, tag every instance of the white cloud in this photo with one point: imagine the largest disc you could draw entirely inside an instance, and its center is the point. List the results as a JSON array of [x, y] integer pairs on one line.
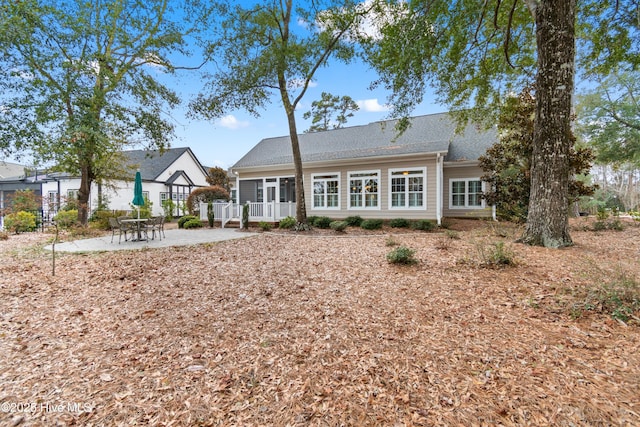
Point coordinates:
[[231, 122], [372, 106]]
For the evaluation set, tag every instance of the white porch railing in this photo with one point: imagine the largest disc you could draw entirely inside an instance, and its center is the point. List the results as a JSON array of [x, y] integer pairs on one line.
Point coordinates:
[[258, 211]]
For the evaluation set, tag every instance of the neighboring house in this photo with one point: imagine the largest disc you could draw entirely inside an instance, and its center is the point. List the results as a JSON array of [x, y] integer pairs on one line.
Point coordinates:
[[170, 175], [428, 172], [8, 169]]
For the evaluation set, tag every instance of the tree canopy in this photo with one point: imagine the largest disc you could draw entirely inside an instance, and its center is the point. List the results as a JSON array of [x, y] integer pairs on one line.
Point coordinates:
[[476, 53], [324, 109], [81, 80], [507, 163], [609, 117]]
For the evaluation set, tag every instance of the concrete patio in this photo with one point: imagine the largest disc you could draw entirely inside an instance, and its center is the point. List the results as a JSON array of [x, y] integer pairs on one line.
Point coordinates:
[[173, 237]]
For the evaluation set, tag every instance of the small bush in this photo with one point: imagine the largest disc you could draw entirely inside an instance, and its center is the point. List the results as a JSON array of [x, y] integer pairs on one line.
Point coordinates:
[[498, 255], [4, 235], [371, 224], [192, 223], [423, 224], [399, 223], [185, 219], [100, 219], [618, 296], [614, 224], [402, 255], [353, 221], [245, 216], [66, 219], [265, 226], [20, 222], [287, 223], [311, 220], [338, 226], [391, 242], [323, 222], [451, 234]]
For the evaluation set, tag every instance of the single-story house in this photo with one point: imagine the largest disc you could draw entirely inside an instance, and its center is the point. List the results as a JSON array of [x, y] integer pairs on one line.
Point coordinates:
[[427, 172], [170, 175]]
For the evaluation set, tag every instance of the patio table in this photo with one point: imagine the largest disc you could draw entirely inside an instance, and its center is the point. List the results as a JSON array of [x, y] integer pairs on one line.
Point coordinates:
[[138, 222]]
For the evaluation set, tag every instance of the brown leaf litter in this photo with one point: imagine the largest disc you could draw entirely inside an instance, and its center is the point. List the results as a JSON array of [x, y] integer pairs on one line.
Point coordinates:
[[318, 329]]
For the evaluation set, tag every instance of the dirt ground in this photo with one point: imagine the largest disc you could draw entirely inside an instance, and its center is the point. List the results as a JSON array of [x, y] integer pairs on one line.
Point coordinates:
[[318, 329]]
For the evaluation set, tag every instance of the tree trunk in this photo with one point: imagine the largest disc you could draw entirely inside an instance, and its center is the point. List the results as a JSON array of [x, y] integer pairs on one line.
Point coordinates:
[[301, 209], [84, 193], [548, 219]]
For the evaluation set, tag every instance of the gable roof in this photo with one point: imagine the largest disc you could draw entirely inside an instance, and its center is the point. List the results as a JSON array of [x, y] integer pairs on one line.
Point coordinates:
[[434, 133], [152, 163]]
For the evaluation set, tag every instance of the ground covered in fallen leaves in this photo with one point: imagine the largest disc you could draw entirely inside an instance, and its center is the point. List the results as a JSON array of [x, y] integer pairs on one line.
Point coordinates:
[[319, 329]]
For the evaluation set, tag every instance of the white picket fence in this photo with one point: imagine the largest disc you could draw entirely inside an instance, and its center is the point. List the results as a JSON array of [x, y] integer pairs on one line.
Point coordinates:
[[258, 211]]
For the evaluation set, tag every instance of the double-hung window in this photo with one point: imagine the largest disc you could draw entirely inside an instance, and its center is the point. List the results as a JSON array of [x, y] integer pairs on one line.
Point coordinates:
[[465, 194], [407, 188], [364, 190], [326, 191]]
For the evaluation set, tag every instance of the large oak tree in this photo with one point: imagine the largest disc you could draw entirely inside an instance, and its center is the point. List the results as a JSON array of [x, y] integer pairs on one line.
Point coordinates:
[[81, 80], [474, 53]]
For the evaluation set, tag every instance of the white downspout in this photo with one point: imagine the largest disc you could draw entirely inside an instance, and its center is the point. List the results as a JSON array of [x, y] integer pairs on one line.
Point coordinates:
[[439, 166]]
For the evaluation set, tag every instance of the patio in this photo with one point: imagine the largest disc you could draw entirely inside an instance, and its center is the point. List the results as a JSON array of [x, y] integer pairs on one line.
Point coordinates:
[[172, 237]]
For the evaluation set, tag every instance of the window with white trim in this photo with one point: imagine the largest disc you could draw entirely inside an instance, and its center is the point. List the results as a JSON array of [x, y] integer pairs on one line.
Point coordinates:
[[364, 190], [326, 191], [465, 194], [407, 188]]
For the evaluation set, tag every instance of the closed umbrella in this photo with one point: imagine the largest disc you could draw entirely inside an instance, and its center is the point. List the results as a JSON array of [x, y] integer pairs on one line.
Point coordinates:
[[138, 198]]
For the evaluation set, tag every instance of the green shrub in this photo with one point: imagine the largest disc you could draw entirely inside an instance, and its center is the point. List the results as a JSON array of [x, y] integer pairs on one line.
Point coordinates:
[[192, 223], [498, 255], [185, 219], [371, 224], [287, 223], [210, 214], [453, 235], [66, 219], [265, 226], [353, 221], [20, 222], [402, 255], [339, 226], [423, 224], [399, 223], [100, 218], [323, 222], [391, 242], [617, 295], [311, 220], [245, 216]]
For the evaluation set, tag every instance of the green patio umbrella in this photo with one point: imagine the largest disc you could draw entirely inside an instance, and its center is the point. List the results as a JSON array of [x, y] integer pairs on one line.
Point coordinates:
[[138, 198]]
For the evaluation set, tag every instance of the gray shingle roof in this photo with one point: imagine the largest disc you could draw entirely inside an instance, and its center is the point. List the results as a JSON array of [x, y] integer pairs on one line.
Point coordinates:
[[428, 134], [151, 162]]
